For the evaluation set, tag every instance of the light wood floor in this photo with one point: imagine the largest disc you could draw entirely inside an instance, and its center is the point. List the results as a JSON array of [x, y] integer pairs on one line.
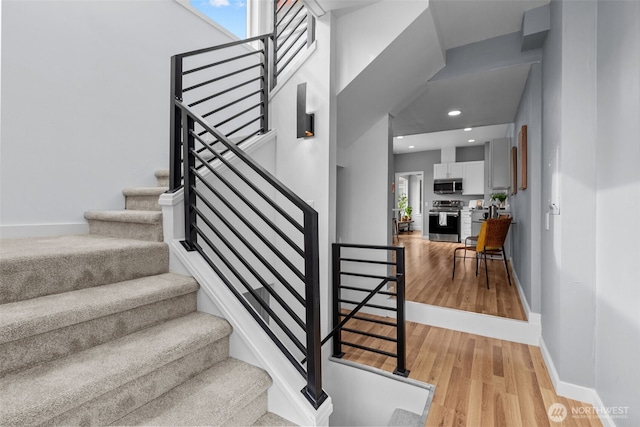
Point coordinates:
[[428, 279], [479, 381]]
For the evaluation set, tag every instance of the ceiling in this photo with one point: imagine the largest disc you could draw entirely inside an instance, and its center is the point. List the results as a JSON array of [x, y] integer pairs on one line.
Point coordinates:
[[488, 97], [457, 138]]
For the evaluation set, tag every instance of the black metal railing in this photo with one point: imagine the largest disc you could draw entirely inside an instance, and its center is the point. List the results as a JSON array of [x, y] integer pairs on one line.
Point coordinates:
[[374, 272], [294, 31], [228, 85], [260, 238]]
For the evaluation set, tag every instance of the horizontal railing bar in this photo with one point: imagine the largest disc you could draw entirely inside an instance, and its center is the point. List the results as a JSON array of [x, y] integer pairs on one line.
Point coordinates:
[[273, 181], [293, 31], [369, 334], [258, 212], [246, 110], [224, 46], [244, 126], [285, 26], [355, 245], [353, 312], [375, 350], [231, 103], [258, 191], [354, 288], [248, 287], [369, 261], [292, 57], [284, 3], [264, 240], [381, 307], [240, 258], [210, 97], [366, 319], [245, 139], [233, 73], [252, 311], [215, 64], [370, 276]]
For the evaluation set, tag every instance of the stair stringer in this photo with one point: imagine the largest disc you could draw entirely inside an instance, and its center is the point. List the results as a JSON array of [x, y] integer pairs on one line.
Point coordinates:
[[248, 342]]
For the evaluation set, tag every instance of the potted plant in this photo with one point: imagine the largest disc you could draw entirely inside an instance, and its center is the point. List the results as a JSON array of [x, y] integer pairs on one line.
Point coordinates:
[[402, 206], [407, 212], [500, 197]]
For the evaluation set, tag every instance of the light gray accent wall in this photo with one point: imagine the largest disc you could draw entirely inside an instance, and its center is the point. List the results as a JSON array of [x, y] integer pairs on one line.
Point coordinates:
[[617, 331], [568, 247], [535, 26], [470, 154], [525, 206], [497, 52]]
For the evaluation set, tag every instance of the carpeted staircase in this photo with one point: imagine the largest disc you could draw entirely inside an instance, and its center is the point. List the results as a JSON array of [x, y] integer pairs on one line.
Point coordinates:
[[94, 330]]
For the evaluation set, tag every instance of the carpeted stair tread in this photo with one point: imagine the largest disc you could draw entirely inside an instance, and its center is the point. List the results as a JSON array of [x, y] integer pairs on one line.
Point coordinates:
[[144, 191], [272, 420], [162, 177], [40, 266], [217, 396], [132, 216], [404, 418], [39, 315], [37, 394]]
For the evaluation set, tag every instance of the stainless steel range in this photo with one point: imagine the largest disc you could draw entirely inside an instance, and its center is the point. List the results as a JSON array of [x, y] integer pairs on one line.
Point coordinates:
[[444, 220]]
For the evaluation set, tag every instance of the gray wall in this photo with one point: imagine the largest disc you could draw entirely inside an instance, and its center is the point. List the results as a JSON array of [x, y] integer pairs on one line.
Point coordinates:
[[590, 293], [617, 331], [470, 154], [524, 204]]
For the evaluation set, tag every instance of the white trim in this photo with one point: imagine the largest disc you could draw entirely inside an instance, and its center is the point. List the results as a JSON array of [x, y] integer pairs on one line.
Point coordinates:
[[474, 323], [573, 391], [298, 63], [314, 7], [42, 230]]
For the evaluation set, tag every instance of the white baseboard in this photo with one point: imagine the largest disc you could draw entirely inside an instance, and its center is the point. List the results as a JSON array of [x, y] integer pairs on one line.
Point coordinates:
[[474, 323], [42, 230], [531, 316], [573, 391]]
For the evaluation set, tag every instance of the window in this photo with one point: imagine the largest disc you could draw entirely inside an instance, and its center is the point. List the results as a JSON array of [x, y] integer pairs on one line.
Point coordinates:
[[230, 14]]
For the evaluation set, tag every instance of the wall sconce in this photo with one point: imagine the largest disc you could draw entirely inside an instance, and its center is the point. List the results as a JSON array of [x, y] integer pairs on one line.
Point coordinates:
[[304, 121]]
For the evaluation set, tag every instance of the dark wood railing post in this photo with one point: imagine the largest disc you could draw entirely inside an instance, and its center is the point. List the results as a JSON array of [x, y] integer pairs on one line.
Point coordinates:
[[274, 73], [175, 124], [401, 368], [313, 390], [189, 181], [335, 298], [311, 28]]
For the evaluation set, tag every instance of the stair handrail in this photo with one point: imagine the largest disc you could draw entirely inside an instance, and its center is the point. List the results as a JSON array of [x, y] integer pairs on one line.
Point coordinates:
[[398, 261]]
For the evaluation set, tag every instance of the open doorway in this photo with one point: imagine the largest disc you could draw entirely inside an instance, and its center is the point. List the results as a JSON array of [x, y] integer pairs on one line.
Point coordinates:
[[409, 201]]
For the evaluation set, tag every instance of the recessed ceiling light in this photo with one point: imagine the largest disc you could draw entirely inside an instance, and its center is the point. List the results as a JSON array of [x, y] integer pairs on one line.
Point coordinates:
[[412, 146], [454, 112], [467, 129], [400, 137], [471, 140]]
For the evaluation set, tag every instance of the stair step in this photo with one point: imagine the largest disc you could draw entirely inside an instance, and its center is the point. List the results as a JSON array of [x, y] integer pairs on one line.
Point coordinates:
[[41, 266], [162, 175], [53, 326], [272, 420], [230, 393], [104, 383], [143, 198], [126, 224]]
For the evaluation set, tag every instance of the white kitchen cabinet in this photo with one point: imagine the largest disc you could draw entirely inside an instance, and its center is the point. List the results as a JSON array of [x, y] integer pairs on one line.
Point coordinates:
[[473, 178], [499, 164], [448, 170], [465, 223]]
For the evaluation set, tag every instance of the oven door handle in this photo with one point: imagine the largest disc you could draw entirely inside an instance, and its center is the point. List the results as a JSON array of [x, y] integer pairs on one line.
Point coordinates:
[[454, 214]]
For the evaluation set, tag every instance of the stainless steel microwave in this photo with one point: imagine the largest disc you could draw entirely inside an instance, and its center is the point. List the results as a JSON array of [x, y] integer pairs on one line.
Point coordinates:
[[447, 186]]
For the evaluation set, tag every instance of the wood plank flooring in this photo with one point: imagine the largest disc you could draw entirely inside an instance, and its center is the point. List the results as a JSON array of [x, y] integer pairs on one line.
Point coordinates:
[[429, 266], [479, 381]]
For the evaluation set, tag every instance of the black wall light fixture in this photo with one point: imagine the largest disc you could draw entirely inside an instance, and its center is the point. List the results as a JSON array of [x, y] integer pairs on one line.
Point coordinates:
[[304, 121]]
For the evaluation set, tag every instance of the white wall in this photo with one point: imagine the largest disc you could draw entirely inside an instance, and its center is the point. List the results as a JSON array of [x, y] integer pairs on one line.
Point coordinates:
[[85, 102], [363, 207], [617, 330]]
